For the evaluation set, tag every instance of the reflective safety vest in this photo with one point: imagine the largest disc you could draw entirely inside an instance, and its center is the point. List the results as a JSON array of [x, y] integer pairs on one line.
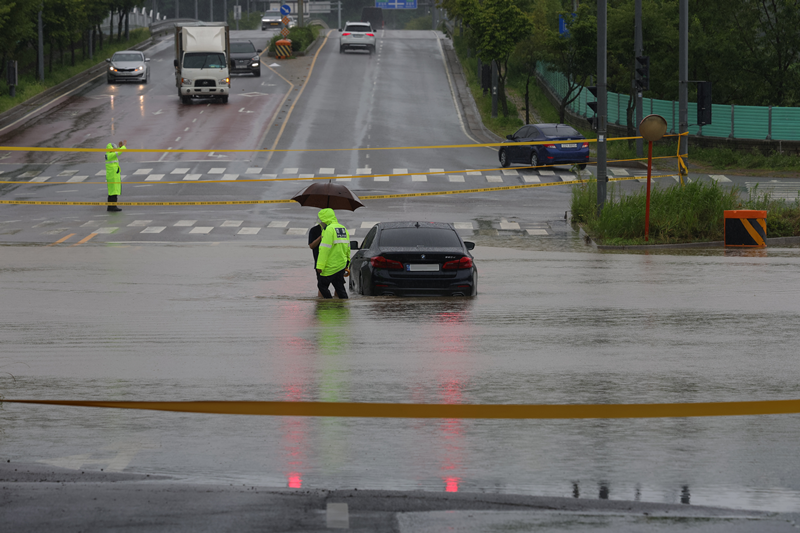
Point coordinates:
[[334, 249], [113, 176]]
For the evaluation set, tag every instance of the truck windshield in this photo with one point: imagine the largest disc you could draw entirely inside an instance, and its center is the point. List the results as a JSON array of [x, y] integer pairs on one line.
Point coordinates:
[[203, 60]]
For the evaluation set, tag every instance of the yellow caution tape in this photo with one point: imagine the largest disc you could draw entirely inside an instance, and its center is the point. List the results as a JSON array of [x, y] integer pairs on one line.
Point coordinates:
[[242, 150], [422, 410]]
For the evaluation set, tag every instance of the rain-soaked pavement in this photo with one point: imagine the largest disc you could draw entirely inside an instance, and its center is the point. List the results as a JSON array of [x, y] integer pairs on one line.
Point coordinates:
[[555, 323]]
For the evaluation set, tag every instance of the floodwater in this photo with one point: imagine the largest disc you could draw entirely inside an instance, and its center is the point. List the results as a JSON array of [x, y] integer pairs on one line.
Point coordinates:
[[240, 322]]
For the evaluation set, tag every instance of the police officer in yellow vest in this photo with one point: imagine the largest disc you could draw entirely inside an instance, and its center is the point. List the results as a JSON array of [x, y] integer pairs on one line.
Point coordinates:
[[334, 255], [113, 176]]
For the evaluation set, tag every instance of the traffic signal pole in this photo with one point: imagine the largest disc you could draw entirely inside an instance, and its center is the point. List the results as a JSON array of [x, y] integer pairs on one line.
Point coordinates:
[[602, 102], [638, 49]]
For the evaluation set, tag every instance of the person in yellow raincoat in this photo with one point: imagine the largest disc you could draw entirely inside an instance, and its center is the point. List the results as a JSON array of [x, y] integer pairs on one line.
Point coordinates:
[[113, 176]]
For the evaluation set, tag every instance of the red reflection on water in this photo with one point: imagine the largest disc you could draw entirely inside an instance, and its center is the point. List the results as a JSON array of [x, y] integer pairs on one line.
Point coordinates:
[[295, 481], [451, 484]]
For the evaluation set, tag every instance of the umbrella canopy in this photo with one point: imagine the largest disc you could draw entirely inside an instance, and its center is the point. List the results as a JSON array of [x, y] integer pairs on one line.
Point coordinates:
[[332, 195]]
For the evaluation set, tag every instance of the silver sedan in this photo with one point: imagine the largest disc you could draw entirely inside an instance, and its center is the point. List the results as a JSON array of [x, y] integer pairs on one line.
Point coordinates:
[[128, 65]]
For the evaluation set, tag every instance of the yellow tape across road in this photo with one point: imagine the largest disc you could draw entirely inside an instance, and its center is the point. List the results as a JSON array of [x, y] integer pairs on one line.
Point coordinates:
[[423, 410]]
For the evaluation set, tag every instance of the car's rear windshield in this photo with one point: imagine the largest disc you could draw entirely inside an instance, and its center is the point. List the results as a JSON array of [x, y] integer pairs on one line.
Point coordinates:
[[203, 60], [357, 27], [127, 57], [553, 131], [242, 48], [412, 237]]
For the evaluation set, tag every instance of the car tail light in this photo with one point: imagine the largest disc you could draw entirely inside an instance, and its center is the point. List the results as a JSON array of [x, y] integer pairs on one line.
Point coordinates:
[[370, 35], [464, 262], [585, 145], [382, 262], [549, 145], [345, 34]]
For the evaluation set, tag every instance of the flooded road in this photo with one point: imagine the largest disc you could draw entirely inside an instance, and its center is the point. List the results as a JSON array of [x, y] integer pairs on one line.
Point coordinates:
[[236, 321]]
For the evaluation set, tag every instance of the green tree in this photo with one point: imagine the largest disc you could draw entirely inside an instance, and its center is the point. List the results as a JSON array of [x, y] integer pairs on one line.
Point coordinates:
[[495, 29]]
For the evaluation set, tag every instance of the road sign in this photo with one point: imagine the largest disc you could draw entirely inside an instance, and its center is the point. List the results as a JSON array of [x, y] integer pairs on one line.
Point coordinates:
[[285, 9], [285, 32], [237, 12], [286, 21], [396, 4]]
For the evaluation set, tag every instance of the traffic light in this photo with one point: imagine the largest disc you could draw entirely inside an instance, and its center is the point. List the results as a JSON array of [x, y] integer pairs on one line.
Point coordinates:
[[593, 107], [643, 73], [703, 103]]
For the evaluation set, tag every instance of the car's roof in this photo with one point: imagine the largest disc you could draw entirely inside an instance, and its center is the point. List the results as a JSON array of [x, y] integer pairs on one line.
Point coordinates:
[[241, 41], [414, 224], [129, 52], [359, 23]]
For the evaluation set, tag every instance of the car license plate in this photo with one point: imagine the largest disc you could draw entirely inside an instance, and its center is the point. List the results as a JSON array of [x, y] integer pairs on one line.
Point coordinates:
[[242, 63], [410, 267], [573, 145]]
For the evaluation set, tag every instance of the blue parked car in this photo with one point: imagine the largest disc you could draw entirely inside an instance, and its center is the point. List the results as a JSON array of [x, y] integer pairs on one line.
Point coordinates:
[[545, 154]]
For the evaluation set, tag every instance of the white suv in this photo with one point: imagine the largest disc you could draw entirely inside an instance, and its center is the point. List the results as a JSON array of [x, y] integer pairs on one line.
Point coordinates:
[[357, 36]]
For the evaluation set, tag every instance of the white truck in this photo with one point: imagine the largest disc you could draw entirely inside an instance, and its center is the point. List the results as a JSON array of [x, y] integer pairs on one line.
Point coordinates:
[[202, 61]]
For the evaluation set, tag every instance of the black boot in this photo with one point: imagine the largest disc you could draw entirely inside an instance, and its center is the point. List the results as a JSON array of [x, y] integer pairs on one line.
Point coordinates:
[[113, 207]]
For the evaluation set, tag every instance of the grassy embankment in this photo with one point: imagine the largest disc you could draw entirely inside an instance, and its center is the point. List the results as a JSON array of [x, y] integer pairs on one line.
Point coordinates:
[[29, 85], [301, 38]]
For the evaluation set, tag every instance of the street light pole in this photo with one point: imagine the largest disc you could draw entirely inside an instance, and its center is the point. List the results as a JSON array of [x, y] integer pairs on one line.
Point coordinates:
[[602, 102], [638, 50]]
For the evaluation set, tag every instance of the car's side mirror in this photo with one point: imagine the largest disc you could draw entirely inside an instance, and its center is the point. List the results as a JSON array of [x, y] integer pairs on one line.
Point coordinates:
[[340, 30], [108, 60], [510, 137], [258, 51], [354, 245], [469, 245]]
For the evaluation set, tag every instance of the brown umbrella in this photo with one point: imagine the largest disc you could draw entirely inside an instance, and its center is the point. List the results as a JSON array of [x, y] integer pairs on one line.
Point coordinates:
[[328, 194]]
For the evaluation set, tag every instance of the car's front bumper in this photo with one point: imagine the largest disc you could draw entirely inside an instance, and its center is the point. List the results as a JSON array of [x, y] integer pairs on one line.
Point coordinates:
[[204, 91]]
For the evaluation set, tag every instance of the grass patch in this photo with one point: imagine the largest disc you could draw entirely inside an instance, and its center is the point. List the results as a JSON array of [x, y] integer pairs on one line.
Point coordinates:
[[29, 86], [678, 214], [301, 38], [249, 21]]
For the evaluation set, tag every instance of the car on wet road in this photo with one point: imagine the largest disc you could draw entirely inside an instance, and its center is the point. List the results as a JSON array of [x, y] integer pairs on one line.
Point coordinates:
[[245, 58], [357, 36], [128, 65], [413, 259], [271, 19], [549, 152]]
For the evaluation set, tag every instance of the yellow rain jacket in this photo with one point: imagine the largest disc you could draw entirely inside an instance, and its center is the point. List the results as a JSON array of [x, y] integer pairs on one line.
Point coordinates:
[[113, 176], [334, 249]]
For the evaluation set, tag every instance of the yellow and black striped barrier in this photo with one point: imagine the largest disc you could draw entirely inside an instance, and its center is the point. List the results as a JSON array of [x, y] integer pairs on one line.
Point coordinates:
[[283, 49], [746, 228], [463, 411]]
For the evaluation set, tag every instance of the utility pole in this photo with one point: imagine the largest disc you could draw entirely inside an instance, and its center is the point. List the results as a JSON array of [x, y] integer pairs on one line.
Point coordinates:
[[340, 14], [196, 11], [225, 11], [211, 10], [602, 102], [300, 13], [41, 45], [638, 50], [683, 80], [177, 9]]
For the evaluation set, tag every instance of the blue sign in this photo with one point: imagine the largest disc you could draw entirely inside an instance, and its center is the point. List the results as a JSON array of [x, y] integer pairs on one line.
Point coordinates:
[[396, 4], [286, 9]]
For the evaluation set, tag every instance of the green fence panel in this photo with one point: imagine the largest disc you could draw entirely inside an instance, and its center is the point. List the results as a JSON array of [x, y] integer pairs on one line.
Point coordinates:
[[786, 123], [750, 122], [720, 121]]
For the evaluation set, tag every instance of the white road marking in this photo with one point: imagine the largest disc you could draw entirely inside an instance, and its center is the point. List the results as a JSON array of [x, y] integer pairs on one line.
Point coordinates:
[[217, 170], [154, 177], [278, 224], [381, 178], [248, 231], [365, 170], [305, 176], [153, 229], [269, 176], [231, 224], [203, 230], [179, 171], [185, 223], [290, 170], [546, 173], [537, 231], [400, 171], [229, 177], [568, 177], [192, 177], [326, 170], [91, 224], [509, 225], [494, 179], [106, 230], [76, 179], [344, 179], [296, 231], [67, 173], [253, 170], [177, 139], [436, 170], [42, 179], [719, 178], [509, 172], [103, 173], [136, 223], [186, 129], [139, 172], [419, 177], [473, 173], [463, 225], [455, 178], [531, 179], [619, 171]]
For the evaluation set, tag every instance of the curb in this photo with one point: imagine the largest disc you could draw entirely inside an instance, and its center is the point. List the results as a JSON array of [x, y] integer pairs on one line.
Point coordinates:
[[33, 104], [775, 241]]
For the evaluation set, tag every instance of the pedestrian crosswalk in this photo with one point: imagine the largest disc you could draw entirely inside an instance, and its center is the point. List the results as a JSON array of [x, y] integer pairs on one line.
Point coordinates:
[[365, 174], [116, 227]]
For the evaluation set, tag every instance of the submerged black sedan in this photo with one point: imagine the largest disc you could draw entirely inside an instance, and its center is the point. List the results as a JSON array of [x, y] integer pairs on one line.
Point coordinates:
[[413, 259]]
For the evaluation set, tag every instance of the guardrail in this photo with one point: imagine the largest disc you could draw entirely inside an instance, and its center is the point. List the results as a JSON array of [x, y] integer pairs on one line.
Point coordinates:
[[166, 26]]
